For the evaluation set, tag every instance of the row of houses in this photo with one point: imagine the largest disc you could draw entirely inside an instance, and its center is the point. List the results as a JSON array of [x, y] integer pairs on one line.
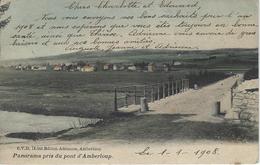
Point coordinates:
[[92, 67]]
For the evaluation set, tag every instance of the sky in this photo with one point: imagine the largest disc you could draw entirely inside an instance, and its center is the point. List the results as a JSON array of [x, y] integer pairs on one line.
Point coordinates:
[[29, 11]]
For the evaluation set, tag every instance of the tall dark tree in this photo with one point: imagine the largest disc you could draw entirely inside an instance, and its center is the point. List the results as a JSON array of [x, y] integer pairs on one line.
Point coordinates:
[[3, 21], [3, 9]]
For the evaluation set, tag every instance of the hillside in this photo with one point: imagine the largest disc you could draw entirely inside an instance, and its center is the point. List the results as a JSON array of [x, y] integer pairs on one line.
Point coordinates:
[[138, 56]]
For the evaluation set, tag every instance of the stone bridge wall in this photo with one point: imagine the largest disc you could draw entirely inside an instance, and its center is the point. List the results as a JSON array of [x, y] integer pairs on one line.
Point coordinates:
[[245, 104]]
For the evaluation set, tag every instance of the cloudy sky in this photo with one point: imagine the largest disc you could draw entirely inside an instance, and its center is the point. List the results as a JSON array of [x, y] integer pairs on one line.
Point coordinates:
[[29, 11]]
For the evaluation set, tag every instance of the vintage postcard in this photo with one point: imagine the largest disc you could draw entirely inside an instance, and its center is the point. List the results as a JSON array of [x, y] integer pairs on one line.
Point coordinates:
[[129, 81]]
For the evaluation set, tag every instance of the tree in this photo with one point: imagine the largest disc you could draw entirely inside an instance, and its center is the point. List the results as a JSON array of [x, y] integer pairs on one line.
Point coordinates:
[[81, 63], [3, 9], [3, 22]]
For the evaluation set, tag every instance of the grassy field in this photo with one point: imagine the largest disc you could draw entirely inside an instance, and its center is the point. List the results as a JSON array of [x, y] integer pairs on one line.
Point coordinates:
[[153, 128], [162, 128], [68, 93]]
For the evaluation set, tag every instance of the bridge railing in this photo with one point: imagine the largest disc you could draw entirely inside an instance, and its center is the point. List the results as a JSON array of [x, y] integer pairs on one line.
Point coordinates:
[[130, 95]]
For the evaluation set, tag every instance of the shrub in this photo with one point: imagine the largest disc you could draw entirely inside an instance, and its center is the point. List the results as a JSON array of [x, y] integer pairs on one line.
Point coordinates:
[[251, 74]]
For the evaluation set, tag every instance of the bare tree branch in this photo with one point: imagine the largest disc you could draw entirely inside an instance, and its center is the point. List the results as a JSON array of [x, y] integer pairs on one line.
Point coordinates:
[[4, 22], [4, 7]]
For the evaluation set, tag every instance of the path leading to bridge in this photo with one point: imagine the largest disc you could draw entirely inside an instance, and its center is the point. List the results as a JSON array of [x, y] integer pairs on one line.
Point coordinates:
[[198, 103]]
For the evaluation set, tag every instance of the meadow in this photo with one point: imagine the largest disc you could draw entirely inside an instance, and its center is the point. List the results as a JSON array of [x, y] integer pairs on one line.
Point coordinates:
[[77, 94]]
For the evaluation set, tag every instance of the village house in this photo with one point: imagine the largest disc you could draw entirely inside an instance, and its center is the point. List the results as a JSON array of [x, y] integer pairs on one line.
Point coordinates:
[[38, 68], [115, 67], [19, 67], [131, 68], [71, 68], [28, 67], [163, 67], [42, 67], [151, 67], [118, 67], [166, 67], [107, 67], [57, 67], [121, 67], [177, 63], [99, 66], [78, 68], [22, 67], [88, 68], [64, 67]]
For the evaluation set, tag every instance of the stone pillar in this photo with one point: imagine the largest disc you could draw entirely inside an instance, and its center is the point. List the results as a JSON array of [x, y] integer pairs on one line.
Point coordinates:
[[216, 108], [144, 105]]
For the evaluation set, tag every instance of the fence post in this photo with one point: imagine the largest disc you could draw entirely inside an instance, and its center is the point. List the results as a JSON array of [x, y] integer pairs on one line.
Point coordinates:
[[176, 87], [169, 89], [231, 97], [126, 104], [158, 90], [115, 100], [172, 87], [163, 90], [186, 85], [179, 86], [135, 97], [182, 85], [144, 91], [152, 95]]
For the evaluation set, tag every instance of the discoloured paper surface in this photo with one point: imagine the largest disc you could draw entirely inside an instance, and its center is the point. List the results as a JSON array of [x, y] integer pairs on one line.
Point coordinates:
[[129, 81], [199, 152]]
